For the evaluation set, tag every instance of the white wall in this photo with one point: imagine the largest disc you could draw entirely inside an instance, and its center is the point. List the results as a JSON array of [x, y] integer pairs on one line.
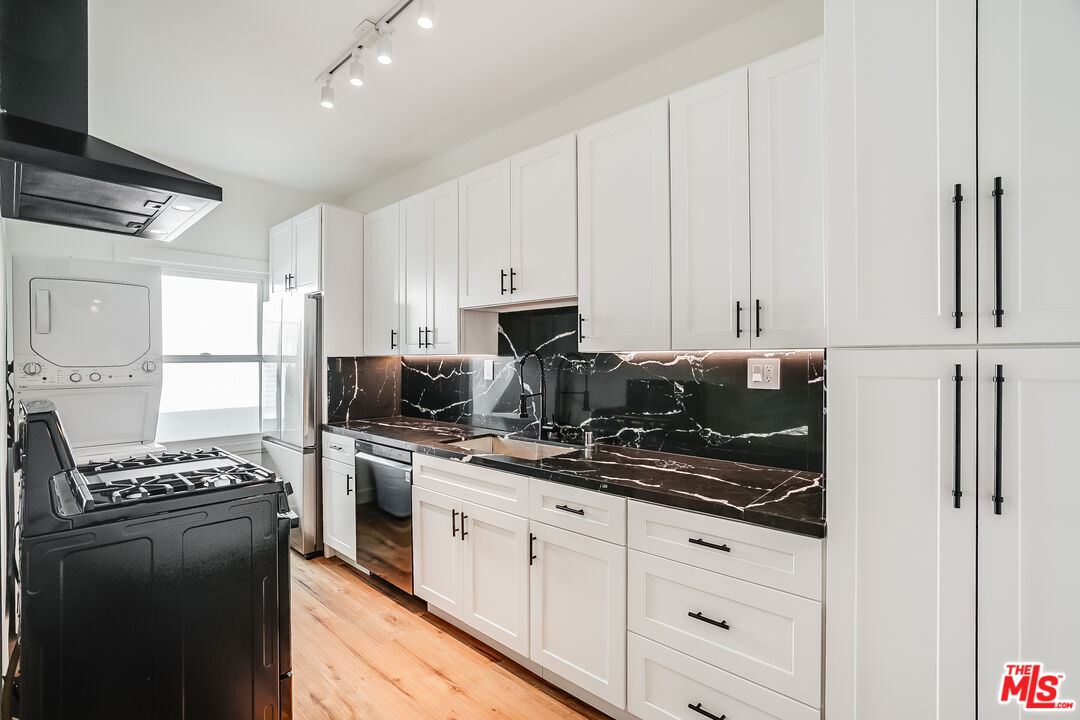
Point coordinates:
[[764, 33], [236, 228]]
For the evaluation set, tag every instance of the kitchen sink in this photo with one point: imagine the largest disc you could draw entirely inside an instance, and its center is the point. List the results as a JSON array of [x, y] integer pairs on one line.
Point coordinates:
[[522, 449]]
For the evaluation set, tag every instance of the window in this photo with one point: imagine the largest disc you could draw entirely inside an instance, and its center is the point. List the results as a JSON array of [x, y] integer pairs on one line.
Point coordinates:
[[210, 341]]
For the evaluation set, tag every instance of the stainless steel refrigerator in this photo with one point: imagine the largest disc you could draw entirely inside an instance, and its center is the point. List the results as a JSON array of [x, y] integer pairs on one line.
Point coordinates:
[[290, 402]]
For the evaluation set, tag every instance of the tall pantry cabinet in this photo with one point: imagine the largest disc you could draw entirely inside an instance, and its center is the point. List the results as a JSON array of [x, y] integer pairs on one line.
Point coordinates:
[[950, 491]]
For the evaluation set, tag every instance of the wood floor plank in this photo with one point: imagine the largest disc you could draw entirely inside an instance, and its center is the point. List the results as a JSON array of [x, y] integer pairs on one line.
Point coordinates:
[[362, 651]]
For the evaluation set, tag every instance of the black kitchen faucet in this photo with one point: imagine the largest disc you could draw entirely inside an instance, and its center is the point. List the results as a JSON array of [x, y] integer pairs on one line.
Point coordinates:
[[545, 430]]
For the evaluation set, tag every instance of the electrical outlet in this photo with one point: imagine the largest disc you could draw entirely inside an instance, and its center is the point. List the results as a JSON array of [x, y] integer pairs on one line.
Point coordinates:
[[489, 368], [763, 373]]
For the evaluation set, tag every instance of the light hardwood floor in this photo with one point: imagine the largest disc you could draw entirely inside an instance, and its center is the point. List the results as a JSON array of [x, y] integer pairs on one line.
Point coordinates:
[[364, 651]]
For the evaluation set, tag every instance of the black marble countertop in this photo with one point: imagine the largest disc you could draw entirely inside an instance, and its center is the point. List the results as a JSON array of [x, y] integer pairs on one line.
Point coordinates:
[[790, 500]]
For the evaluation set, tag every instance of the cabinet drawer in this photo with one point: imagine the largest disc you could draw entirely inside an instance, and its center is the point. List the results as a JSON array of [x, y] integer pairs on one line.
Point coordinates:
[[781, 560], [338, 448], [663, 684], [764, 635], [584, 511], [491, 488]]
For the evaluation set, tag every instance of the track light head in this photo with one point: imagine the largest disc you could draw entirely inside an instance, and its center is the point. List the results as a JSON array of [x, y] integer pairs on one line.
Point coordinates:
[[326, 94], [384, 48], [425, 16], [356, 71]]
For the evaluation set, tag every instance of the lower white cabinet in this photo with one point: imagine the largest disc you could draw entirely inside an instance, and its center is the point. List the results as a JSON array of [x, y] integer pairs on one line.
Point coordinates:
[[578, 610], [339, 507], [663, 683], [437, 553]]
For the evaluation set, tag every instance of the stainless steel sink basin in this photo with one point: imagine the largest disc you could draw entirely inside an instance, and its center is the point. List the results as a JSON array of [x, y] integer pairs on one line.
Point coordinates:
[[522, 449]]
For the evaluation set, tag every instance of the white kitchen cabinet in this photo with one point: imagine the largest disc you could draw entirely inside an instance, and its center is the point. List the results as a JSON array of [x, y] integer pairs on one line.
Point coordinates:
[[339, 507], [437, 554], [578, 610], [901, 138], [295, 253], [382, 329], [484, 235], [1028, 586], [787, 203], [624, 240], [496, 575], [710, 215], [543, 222], [429, 271], [900, 587], [1029, 102], [281, 257]]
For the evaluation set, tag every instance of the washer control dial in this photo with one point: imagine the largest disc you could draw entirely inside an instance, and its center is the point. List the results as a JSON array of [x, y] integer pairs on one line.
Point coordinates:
[[94, 376], [75, 377], [32, 368], [149, 366]]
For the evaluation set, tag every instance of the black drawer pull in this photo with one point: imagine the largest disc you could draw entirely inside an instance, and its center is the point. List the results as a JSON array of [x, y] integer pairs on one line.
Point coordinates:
[[532, 541], [999, 384], [706, 543], [502, 282], [718, 623], [453, 523], [512, 288], [998, 310], [698, 709], [464, 532], [567, 508], [348, 484], [392, 334], [738, 318], [757, 318], [957, 432], [580, 327], [957, 213]]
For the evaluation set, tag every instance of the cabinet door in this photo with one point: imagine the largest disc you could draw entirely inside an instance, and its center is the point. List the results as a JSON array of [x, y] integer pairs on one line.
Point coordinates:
[[901, 137], [710, 215], [281, 257], [496, 575], [382, 332], [437, 549], [624, 238], [787, 208], [307, 246], [1028, 554], [543, 221], [413, 231], [1029, 105], [442, 313], [484, 236], [339, 507], [578, 610], [900, 588]]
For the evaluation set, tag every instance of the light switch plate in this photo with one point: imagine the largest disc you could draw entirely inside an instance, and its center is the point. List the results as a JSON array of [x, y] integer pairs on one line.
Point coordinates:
[[763, 373], [489, 368]]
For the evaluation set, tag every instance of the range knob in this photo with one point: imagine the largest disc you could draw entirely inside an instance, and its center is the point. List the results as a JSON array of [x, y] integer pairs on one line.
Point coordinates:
[[95, 376], [149, 366], [31, 368], [75, 377]]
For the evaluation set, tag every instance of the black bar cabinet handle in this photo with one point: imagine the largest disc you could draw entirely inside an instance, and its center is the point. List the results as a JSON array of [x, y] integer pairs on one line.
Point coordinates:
[[532, 555], [464, 532], [502, 282], [998, 310], [718, 623], [453, 522], [567, 508], [392, 334], [419, 337], [427, 332], [348, 486], [958, 200], [757, 318], [512, 288], [706, 543], [999, 381], [957, 492], [698, 709], [738, 318], [580, 327]]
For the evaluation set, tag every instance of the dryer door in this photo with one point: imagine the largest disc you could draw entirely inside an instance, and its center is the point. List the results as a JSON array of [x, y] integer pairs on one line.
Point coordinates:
[[89, 323]]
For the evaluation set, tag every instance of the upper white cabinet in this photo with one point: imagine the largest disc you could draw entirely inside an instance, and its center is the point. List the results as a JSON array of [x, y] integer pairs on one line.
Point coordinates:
[[1029, 149], [382, 328], [901, 140], [900, 589], [484, 235], [624, 239], [428, 227], [710, 215], [295, 261], [543, 222], [787, 202]]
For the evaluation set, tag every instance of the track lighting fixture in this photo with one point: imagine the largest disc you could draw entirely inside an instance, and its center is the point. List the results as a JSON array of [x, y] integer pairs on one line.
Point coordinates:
[[356, 70], [425, 16], [326, 95], [384, 48]]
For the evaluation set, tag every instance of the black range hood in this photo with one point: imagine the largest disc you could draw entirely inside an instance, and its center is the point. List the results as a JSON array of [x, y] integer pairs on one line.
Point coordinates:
[[51, 170]]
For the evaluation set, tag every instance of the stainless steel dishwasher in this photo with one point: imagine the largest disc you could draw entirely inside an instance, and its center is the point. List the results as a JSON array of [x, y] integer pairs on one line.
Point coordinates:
[[384, 512]]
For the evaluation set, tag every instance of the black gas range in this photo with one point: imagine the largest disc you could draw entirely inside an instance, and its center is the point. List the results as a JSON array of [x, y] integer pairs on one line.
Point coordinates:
[[169, 573]]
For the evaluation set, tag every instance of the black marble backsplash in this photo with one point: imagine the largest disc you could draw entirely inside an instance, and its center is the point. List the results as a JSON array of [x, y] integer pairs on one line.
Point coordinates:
[[694, 403]]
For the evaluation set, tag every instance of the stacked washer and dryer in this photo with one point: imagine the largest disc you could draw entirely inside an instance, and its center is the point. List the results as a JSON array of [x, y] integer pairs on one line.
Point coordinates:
[[87, 337]]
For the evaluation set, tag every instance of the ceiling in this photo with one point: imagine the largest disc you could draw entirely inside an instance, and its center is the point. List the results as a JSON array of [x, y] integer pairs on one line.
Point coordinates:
[[231, 84]]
